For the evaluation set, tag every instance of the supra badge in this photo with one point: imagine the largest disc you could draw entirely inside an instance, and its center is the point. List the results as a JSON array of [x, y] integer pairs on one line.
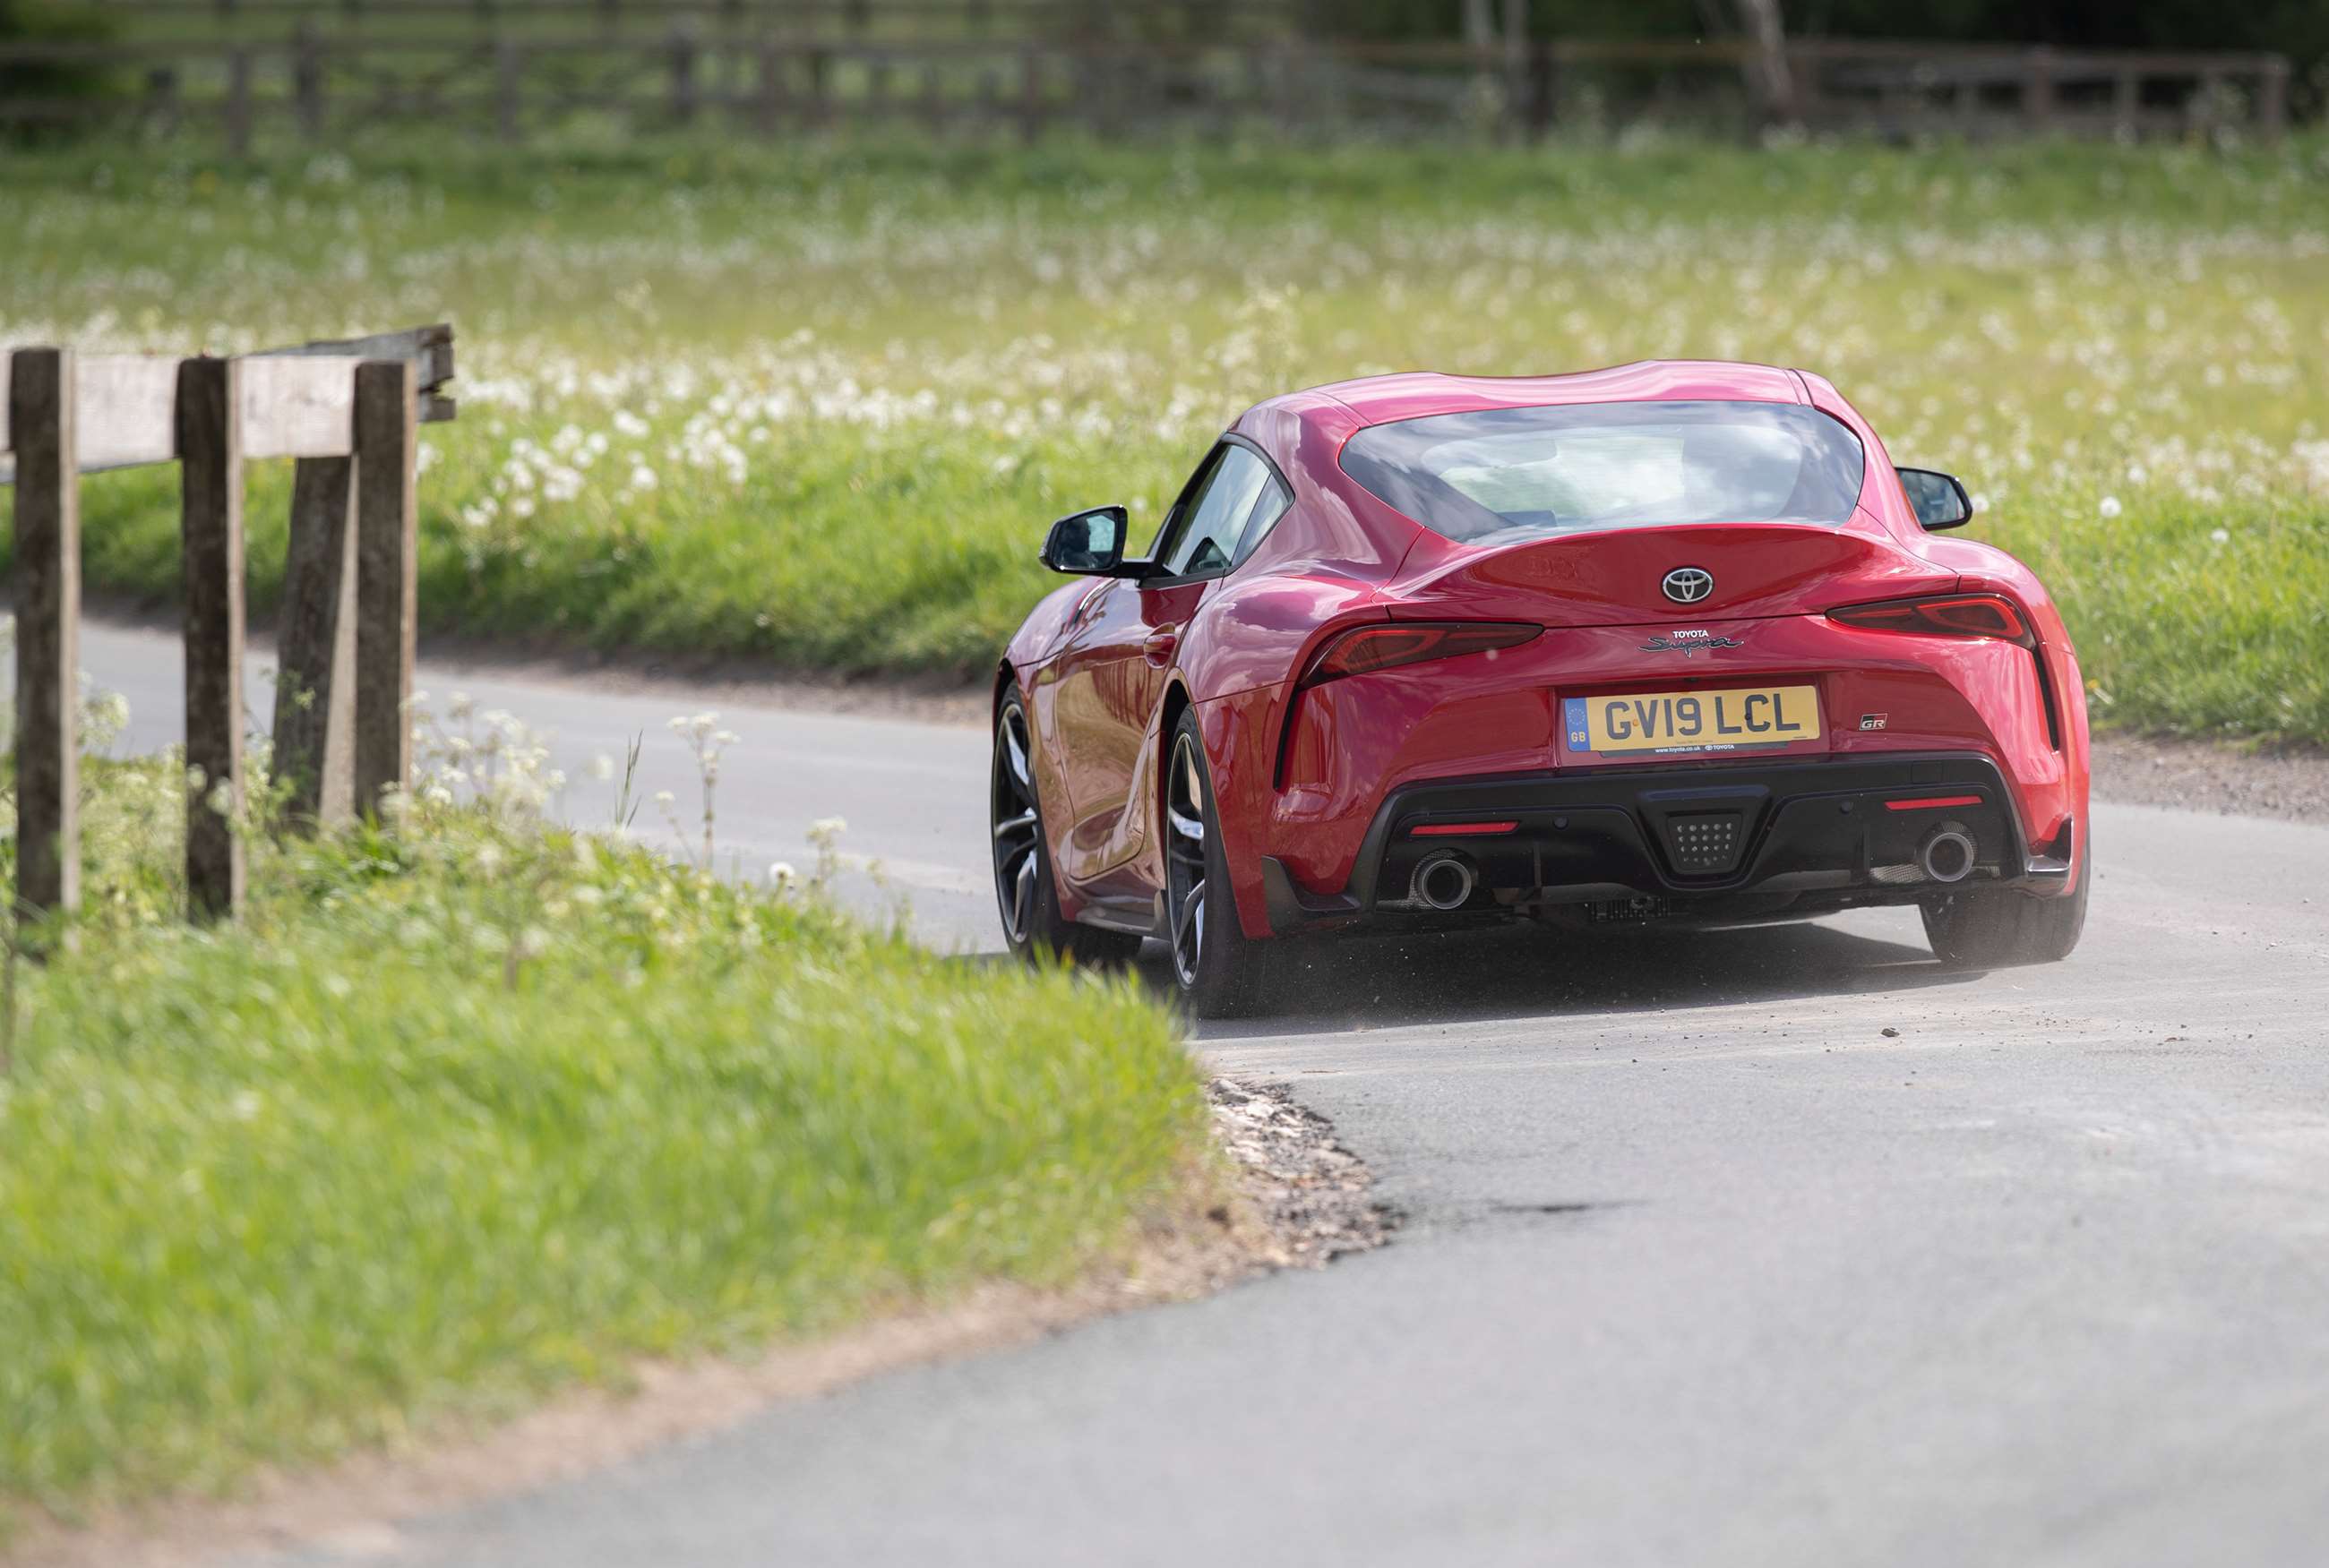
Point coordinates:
[[1688, 644]]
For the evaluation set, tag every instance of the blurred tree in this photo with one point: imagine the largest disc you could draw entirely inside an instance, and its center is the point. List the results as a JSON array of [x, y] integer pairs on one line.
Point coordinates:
[[34, 80]]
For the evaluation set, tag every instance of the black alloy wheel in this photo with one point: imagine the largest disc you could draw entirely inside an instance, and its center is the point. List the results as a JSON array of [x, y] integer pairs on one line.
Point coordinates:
[[1024, 895], [1221, 971], [1184, 861]]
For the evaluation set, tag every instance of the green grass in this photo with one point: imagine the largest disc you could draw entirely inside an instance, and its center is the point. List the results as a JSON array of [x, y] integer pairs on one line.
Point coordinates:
[[274, 1192], [870, 372]]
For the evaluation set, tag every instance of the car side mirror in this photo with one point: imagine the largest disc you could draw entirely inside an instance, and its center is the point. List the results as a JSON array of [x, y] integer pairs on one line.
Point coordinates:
[[1937, 499], [1088, 543]]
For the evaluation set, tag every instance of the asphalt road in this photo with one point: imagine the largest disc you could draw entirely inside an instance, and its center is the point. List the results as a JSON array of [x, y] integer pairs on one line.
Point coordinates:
[[1699, 1264]]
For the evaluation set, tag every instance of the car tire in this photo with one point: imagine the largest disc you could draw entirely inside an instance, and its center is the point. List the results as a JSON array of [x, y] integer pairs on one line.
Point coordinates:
[[1999, 927], [1218, 970], [1027, 895]]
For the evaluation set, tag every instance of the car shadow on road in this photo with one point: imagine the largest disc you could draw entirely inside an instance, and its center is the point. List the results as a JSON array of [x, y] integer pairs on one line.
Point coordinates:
[[1380, 980]]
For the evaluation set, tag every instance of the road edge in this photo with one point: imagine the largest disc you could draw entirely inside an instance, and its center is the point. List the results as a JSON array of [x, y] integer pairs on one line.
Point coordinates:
[[1274, 1190]]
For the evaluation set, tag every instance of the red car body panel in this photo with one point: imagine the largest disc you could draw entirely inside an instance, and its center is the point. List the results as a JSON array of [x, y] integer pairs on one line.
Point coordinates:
[[1299, 775]]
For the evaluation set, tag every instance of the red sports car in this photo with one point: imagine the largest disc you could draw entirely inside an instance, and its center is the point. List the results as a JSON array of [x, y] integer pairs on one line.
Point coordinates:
[[1669, 641]]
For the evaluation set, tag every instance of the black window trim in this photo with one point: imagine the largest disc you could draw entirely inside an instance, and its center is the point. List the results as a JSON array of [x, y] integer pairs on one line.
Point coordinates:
[[1165, 540]]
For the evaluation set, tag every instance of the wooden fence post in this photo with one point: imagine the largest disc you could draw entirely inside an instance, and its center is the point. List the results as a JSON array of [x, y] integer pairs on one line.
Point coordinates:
[[769, 100], [210, 459], [41, 389], [307, 79], [2210, 102], [162, 104], [933, 101], [387, 569], [508, 84], [2037, 89], [1515, 102], [1540, 89], [684, 92], [238, 103], [2272, 99], [2126, 100], [1030, 94], [315, 682]]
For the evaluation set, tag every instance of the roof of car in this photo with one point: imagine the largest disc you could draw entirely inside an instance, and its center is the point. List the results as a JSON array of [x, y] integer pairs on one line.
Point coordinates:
[[1412, 394]]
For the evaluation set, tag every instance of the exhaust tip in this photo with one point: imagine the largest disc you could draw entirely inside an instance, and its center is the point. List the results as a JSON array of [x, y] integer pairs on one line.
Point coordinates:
[[1443, 882], [1947, 855]]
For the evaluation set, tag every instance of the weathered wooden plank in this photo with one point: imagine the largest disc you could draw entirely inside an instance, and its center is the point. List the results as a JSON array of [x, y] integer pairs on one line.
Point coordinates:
[[123, 404], [40, 415], [429, 348], [210, 459], [121, 407], [315, 685], [386, 564], [298, 408], [291, 408], [125, 399]]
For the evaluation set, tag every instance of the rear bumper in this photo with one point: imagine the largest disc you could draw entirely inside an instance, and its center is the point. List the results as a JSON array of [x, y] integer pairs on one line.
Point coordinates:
[[1761, 838]]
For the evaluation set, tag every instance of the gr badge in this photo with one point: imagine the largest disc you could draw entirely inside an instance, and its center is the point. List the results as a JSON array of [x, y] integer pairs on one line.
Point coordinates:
[[1873, 720]]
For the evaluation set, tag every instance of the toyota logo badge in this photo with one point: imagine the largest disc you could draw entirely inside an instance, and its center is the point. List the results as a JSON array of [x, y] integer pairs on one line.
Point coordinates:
[[1688, 585]]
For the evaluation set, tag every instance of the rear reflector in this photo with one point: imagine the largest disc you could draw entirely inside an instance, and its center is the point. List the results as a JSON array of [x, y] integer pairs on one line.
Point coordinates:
[[1932, 802], [1460, 829]]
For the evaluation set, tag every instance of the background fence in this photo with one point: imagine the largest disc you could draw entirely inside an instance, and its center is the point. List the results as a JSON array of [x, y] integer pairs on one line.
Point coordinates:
[[331, 70]]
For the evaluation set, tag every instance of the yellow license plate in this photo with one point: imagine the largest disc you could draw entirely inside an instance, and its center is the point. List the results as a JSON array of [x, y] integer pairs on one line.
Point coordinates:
[[1689, 721]]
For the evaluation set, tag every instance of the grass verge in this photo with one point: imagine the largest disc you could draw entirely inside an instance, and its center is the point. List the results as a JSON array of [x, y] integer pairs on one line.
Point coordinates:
[[479, 1109], [813, 404]]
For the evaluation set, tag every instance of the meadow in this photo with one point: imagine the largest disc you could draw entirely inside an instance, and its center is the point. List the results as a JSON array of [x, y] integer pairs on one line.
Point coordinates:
[[477, 1107], [814, 405]]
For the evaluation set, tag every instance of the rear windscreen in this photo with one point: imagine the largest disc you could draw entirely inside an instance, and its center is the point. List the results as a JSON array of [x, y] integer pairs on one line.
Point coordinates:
[[1522, 473]]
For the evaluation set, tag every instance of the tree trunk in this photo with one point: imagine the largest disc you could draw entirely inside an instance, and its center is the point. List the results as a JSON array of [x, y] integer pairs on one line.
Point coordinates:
[[1775, 82]]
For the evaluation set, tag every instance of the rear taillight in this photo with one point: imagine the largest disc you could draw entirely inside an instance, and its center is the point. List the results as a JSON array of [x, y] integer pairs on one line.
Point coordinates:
[[1955, 615], [1386, 644]]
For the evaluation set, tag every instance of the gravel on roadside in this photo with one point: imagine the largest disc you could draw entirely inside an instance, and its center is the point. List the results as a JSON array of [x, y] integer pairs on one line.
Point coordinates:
[[1314, 1196], [2287, 782]]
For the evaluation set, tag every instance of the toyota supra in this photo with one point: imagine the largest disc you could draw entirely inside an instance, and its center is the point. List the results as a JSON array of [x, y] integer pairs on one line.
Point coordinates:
[[1669, 642]]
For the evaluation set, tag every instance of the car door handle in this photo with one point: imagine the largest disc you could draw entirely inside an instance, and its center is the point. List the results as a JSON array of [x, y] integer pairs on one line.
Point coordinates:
[[1161, 643]]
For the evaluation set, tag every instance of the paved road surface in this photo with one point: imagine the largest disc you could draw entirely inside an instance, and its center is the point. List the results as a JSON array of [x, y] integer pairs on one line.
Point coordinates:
[[1699, 1266]]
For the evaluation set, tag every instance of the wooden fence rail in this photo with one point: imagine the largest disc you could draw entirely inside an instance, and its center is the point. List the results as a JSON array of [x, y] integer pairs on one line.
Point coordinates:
[[769, 81], [348, 413]]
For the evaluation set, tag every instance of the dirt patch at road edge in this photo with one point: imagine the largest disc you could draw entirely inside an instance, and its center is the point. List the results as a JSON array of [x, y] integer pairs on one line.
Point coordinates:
[[2287, 782]]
